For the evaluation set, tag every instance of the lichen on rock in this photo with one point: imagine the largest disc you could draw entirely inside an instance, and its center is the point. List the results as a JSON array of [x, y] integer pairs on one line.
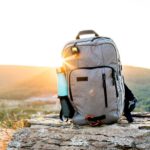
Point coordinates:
[[48, 133]]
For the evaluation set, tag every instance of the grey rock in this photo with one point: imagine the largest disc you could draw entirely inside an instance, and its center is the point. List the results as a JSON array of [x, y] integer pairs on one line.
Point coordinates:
[[52, 134]]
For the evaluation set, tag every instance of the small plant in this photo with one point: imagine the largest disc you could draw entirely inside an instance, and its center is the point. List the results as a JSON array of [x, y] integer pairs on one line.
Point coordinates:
[[14, 119]]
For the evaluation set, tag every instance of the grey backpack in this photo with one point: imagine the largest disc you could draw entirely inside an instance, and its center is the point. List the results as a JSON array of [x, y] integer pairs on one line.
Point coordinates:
[[92, 69]]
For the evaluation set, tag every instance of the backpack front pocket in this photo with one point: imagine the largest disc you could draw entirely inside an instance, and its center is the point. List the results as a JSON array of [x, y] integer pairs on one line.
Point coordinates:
[[92, 90]]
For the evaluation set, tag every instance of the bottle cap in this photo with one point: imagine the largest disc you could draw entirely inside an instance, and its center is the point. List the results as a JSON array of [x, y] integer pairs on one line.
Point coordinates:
[[60, 70]]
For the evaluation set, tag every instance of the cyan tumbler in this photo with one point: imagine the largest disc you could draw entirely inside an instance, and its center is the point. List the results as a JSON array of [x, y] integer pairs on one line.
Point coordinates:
[[67, 110], [62, 87]]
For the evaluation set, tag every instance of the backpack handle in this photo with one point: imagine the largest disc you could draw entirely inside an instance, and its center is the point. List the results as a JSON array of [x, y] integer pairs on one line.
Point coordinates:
[[84, 32]]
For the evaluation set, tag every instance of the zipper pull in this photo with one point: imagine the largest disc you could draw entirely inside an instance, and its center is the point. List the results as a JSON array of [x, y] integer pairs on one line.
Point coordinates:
[[105, 89], [104, 80], [113, 77], [75, 50]]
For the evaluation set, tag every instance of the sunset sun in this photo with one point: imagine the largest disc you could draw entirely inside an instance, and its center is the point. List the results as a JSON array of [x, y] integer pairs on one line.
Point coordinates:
[[56, 61]]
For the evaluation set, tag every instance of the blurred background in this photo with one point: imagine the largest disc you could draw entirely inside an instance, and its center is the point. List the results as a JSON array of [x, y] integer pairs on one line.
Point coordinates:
[[33, 34]]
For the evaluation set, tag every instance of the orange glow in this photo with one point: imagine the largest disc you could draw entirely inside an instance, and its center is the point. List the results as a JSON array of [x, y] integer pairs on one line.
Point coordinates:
[[57, 61]]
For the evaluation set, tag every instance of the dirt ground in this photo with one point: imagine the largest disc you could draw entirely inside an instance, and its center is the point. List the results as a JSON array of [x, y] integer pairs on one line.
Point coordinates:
[[5, 136]]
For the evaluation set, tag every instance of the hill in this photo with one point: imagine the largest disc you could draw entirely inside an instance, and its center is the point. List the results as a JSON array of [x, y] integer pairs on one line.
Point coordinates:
[[21, 82], [138, 80], [11, 75]]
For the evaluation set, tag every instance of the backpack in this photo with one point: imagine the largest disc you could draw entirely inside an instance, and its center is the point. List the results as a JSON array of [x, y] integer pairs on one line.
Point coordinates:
[[93, 75]]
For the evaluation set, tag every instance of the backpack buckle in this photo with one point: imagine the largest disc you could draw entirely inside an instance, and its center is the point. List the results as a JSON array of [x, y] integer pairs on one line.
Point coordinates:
[[93, 121]]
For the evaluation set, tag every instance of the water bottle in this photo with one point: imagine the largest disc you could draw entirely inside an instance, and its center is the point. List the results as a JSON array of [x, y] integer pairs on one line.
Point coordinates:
[[62, 86], [67, 110]]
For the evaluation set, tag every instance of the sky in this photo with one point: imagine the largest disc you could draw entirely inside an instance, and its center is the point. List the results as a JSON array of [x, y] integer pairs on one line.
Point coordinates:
[[34, 32]]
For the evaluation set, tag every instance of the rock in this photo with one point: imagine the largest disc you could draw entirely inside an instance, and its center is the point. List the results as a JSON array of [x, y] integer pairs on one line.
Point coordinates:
[[48, 133]]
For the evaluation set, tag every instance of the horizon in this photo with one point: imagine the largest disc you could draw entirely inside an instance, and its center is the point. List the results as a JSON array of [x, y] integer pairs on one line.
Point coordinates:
[[33, 33], [54, 67]]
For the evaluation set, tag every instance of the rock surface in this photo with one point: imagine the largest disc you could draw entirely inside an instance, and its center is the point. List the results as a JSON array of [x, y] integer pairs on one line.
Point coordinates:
[[48, 133]]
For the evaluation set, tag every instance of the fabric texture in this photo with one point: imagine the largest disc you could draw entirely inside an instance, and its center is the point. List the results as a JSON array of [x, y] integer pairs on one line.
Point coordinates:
[[102, 90]]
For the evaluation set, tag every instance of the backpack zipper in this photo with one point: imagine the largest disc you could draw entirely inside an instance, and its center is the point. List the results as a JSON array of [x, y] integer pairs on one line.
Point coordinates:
[[105, 89]]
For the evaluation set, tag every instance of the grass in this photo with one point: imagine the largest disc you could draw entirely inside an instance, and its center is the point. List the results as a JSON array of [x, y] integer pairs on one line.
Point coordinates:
[[9, 118], [15, 116]]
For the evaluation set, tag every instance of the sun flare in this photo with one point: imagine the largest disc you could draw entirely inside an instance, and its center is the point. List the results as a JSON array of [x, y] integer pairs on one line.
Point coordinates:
[[56, 61]]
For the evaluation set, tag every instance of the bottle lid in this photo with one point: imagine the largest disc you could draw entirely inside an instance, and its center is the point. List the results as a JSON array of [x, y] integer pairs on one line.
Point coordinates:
[[60, 70]]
